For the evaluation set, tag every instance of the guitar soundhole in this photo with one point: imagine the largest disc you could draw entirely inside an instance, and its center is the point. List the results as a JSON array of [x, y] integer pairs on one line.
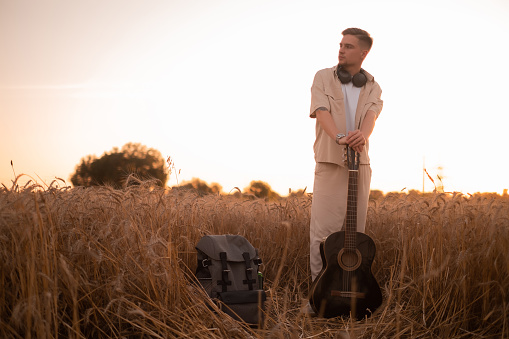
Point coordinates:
[[349, 260]]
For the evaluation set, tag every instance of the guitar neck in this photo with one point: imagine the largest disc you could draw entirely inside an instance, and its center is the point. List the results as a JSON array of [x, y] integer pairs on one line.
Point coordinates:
[[351, 208]]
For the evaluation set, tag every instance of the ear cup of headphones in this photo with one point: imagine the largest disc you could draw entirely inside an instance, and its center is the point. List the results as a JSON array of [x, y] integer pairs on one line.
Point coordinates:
[[343, 75], [358, 79]]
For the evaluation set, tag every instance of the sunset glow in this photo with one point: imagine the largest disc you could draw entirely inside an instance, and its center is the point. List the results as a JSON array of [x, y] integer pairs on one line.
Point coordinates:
[[223, 87]]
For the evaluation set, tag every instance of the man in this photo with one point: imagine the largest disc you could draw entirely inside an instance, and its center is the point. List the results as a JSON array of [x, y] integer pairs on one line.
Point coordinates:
[[345, 100]]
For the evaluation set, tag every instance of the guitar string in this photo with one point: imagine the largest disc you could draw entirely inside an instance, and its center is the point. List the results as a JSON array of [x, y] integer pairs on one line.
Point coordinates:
[[351, 225], [350, 233]]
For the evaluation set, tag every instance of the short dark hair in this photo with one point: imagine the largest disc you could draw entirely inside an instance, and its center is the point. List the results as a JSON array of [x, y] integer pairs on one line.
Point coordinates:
[[361, 34]]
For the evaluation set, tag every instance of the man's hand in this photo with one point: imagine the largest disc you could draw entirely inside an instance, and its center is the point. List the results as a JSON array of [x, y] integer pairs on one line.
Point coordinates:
[[341, 141], [356, 140]]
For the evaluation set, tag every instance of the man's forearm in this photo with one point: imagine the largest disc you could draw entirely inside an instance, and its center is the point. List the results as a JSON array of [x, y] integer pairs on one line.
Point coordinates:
[[327, 123], [358, 138], [368, 124]]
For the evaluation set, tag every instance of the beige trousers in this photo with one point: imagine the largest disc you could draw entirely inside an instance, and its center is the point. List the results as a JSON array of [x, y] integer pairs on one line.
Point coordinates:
[[328, 209]]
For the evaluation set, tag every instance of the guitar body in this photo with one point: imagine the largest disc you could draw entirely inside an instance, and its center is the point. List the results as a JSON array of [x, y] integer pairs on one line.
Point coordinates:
[[345, 284]]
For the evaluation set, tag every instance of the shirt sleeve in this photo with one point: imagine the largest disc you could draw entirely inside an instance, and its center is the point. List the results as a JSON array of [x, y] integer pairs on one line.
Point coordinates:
[[318, 96], [375, 100]]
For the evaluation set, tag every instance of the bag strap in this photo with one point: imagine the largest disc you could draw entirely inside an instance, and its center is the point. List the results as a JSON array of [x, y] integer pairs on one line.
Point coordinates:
[[249, 271], [224, 282]]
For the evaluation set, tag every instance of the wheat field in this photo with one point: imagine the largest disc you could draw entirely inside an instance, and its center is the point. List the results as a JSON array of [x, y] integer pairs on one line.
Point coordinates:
[[98, 263]]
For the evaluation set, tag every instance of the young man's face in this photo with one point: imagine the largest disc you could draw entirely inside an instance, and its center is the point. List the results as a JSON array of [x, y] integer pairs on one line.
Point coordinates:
[[351, 52]]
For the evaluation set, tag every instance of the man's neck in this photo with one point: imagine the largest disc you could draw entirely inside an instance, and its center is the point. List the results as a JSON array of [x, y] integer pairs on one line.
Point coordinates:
[[352, 69]]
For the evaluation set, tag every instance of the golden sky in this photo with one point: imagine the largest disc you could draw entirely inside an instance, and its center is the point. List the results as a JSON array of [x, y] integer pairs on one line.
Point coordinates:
[[223, 87]]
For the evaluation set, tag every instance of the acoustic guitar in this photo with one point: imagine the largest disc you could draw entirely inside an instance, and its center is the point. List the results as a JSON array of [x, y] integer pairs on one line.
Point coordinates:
[[345, 286]]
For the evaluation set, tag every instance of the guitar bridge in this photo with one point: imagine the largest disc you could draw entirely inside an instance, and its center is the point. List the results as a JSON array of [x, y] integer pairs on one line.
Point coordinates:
[[348, 294]]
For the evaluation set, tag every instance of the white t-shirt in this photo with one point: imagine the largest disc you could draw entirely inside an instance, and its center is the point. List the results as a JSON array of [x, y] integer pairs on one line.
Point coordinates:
[[351, 95]]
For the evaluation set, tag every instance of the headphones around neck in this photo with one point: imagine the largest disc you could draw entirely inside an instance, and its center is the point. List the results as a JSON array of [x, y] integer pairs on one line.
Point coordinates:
[[358, 80]]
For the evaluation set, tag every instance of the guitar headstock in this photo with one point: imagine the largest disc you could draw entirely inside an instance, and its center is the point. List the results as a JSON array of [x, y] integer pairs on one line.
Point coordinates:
[[352, 159]]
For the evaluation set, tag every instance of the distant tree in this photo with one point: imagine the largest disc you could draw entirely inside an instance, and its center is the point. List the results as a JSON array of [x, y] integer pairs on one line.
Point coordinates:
[[376, 195], [113, 168], [299, 193], [261, 190], [414, 193], [201, 186]]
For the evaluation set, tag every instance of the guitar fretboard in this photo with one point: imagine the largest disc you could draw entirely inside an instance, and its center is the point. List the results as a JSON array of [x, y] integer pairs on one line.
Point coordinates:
[[351, 211]]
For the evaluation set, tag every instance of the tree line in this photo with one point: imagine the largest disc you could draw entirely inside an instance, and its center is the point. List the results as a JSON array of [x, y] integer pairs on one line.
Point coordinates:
[[135, 162]]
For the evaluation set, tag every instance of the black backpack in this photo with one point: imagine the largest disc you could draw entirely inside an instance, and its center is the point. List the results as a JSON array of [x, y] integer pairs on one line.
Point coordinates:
[[228, 270]]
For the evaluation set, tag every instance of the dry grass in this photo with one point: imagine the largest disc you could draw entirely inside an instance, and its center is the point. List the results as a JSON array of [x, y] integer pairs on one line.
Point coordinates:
[[99, 262]]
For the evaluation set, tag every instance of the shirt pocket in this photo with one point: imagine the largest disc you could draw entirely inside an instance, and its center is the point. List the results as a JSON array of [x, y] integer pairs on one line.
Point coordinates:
[[333, 95], [337, 103]]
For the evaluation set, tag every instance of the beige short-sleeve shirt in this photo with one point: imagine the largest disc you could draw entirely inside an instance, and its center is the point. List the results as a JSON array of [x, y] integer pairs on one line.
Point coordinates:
[[326, 92]]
